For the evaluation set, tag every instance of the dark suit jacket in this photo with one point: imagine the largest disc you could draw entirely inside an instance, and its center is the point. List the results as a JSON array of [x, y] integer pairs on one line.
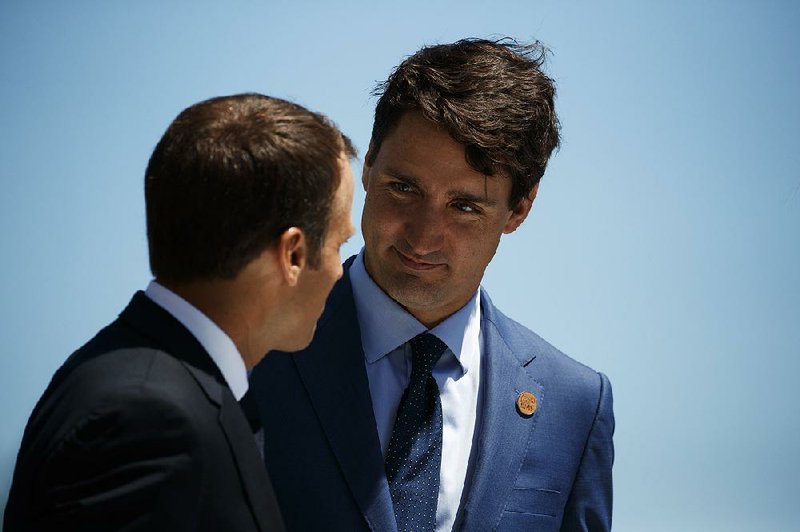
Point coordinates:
[[550, 471], [138, 431]]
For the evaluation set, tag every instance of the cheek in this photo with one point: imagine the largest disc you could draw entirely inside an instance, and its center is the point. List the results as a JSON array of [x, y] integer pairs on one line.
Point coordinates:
[[474, 247], [383, 216], [331, 280], [333, 271]]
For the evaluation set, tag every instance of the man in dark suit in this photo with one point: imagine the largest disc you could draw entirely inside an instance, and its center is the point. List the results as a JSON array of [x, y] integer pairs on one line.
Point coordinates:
[[419, 405], [248, 201]]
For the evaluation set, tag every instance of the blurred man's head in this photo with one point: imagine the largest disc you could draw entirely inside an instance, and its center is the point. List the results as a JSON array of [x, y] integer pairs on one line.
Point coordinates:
[[461, 138], [242, 192]]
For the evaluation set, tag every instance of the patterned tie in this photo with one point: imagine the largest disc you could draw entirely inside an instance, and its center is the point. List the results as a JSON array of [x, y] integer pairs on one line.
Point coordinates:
[[415, 449]]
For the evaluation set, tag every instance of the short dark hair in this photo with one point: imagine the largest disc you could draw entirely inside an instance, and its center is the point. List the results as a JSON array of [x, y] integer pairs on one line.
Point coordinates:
[[230, 175], [491, 96]]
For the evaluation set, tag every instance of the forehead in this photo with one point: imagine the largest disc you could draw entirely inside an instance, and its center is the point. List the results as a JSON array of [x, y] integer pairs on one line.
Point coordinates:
[[343, 198], [345, 190], [420, 150]]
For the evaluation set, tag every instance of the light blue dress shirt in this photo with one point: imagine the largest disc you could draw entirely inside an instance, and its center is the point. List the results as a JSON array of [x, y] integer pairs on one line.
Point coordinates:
[[386, 329]]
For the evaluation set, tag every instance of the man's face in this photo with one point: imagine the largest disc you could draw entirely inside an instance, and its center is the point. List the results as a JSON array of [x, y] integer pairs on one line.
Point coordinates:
[[431, 222], [316, 283]]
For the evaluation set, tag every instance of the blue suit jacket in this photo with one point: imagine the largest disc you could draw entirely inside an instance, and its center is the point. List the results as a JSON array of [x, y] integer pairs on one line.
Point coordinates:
[[551, 471]]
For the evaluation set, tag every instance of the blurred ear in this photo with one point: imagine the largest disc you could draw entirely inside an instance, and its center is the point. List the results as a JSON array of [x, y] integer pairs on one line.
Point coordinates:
[[521, 211], [292, 254]]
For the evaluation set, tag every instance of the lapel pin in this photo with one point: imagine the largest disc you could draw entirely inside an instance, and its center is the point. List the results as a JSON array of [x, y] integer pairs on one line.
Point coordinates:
[[526, 404]]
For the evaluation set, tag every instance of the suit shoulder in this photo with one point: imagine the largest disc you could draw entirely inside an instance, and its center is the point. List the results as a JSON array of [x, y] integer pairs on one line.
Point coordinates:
[[118, 372], [121, 365], [549, 359], [129, 401]]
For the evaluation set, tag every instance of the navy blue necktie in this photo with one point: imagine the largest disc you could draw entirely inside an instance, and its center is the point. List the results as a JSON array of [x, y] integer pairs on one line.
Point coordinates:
[[415, 449]]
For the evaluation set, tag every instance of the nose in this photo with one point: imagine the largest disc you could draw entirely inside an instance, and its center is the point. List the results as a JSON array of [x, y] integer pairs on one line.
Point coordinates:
[[424, 230]]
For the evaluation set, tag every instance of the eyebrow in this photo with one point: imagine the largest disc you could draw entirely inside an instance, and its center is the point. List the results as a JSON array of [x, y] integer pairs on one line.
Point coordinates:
[[472, 198], [410, 179], [453, 195]]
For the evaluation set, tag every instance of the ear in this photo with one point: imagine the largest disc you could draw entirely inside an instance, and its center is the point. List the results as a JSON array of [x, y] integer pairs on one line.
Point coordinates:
[[520, 212], [367, 166], [292, 254]]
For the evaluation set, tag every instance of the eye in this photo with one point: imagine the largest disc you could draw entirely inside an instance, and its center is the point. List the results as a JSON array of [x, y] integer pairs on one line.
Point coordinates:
[[400, 186], [466, 207]]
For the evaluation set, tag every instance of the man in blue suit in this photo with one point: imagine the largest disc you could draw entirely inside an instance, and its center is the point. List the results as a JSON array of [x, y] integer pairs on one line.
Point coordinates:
[[418, 404]]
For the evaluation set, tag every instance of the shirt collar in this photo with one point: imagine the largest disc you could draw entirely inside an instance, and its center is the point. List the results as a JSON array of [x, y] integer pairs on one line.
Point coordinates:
[[375, 309], [215, 341]]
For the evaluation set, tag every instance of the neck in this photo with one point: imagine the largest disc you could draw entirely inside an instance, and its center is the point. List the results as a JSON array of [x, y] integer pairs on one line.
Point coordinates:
[[221, 302]]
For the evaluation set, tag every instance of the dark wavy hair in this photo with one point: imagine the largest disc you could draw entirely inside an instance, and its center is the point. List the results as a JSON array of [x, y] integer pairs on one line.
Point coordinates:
[[230, 175], [491, 96]]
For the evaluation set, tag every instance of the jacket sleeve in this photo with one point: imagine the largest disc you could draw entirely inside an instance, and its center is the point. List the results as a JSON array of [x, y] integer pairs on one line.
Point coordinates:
[[589, 505]]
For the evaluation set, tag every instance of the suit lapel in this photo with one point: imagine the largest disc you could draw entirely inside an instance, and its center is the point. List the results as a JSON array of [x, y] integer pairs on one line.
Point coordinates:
[[260, 495], [165, 331], [504, 432], [334, 375]]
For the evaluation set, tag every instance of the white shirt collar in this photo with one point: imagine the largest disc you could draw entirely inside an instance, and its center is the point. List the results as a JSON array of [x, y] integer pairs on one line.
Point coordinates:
[[385, 325], [219, 345]]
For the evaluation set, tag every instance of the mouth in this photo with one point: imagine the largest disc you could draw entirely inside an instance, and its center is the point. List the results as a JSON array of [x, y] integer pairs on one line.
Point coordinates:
[[416, 265]]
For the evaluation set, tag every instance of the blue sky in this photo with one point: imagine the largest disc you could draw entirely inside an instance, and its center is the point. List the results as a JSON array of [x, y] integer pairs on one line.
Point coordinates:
[[663, 248]]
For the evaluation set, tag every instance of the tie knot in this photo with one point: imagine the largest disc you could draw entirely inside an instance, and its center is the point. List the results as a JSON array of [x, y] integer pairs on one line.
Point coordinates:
[[426, 349]]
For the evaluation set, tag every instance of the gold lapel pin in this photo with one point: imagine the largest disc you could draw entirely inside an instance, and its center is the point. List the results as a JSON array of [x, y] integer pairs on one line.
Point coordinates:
[[526, 404]]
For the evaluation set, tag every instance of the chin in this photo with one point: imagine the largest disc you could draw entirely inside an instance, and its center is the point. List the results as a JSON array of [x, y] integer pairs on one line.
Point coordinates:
[[300, 341], [415, 295]]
